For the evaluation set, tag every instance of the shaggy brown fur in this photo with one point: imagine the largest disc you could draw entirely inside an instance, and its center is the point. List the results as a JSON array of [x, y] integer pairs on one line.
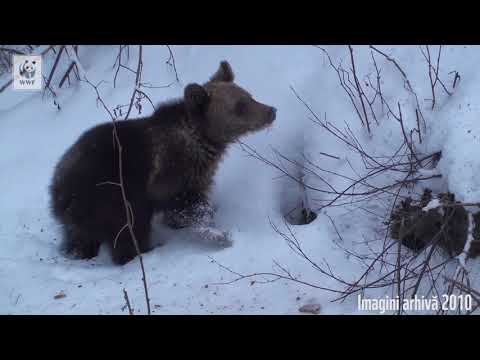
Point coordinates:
[[169, 160], [417, 228]]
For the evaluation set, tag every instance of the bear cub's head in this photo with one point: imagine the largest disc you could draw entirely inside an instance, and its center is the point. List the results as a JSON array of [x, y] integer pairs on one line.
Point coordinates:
[[226, 110]]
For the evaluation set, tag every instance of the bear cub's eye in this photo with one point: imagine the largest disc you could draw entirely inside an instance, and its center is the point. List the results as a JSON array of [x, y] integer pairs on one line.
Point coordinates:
[[240, 107]]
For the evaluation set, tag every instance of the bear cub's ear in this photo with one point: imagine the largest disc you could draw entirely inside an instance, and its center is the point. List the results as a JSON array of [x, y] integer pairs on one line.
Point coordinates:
[[224, 73], [196, 97]]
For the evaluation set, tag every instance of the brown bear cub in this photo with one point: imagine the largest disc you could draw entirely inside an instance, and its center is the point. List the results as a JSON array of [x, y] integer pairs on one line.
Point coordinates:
[[168, 160]]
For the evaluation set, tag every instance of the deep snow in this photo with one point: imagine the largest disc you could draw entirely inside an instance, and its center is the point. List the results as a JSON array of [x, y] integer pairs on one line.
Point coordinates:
[[182, 276]]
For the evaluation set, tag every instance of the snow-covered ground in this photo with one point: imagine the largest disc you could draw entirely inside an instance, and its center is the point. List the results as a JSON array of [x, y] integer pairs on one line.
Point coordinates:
[[184, 275]]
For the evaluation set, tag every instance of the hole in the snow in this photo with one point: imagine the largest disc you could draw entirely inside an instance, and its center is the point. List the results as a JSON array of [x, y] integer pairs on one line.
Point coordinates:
[[300, 216]]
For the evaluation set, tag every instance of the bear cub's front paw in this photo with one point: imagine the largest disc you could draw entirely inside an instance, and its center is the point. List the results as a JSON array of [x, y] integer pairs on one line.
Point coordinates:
[[215, 236]]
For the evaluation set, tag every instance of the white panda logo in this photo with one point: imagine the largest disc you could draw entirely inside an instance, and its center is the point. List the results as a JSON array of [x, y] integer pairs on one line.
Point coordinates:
[[28, 68]]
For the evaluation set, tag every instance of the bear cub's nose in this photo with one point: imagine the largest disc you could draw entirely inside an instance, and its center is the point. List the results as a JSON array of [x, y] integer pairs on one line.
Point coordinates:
[[273, 113]]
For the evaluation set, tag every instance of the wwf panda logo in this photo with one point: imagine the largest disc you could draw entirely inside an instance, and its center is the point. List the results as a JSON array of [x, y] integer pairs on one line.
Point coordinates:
[[28, 68]]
